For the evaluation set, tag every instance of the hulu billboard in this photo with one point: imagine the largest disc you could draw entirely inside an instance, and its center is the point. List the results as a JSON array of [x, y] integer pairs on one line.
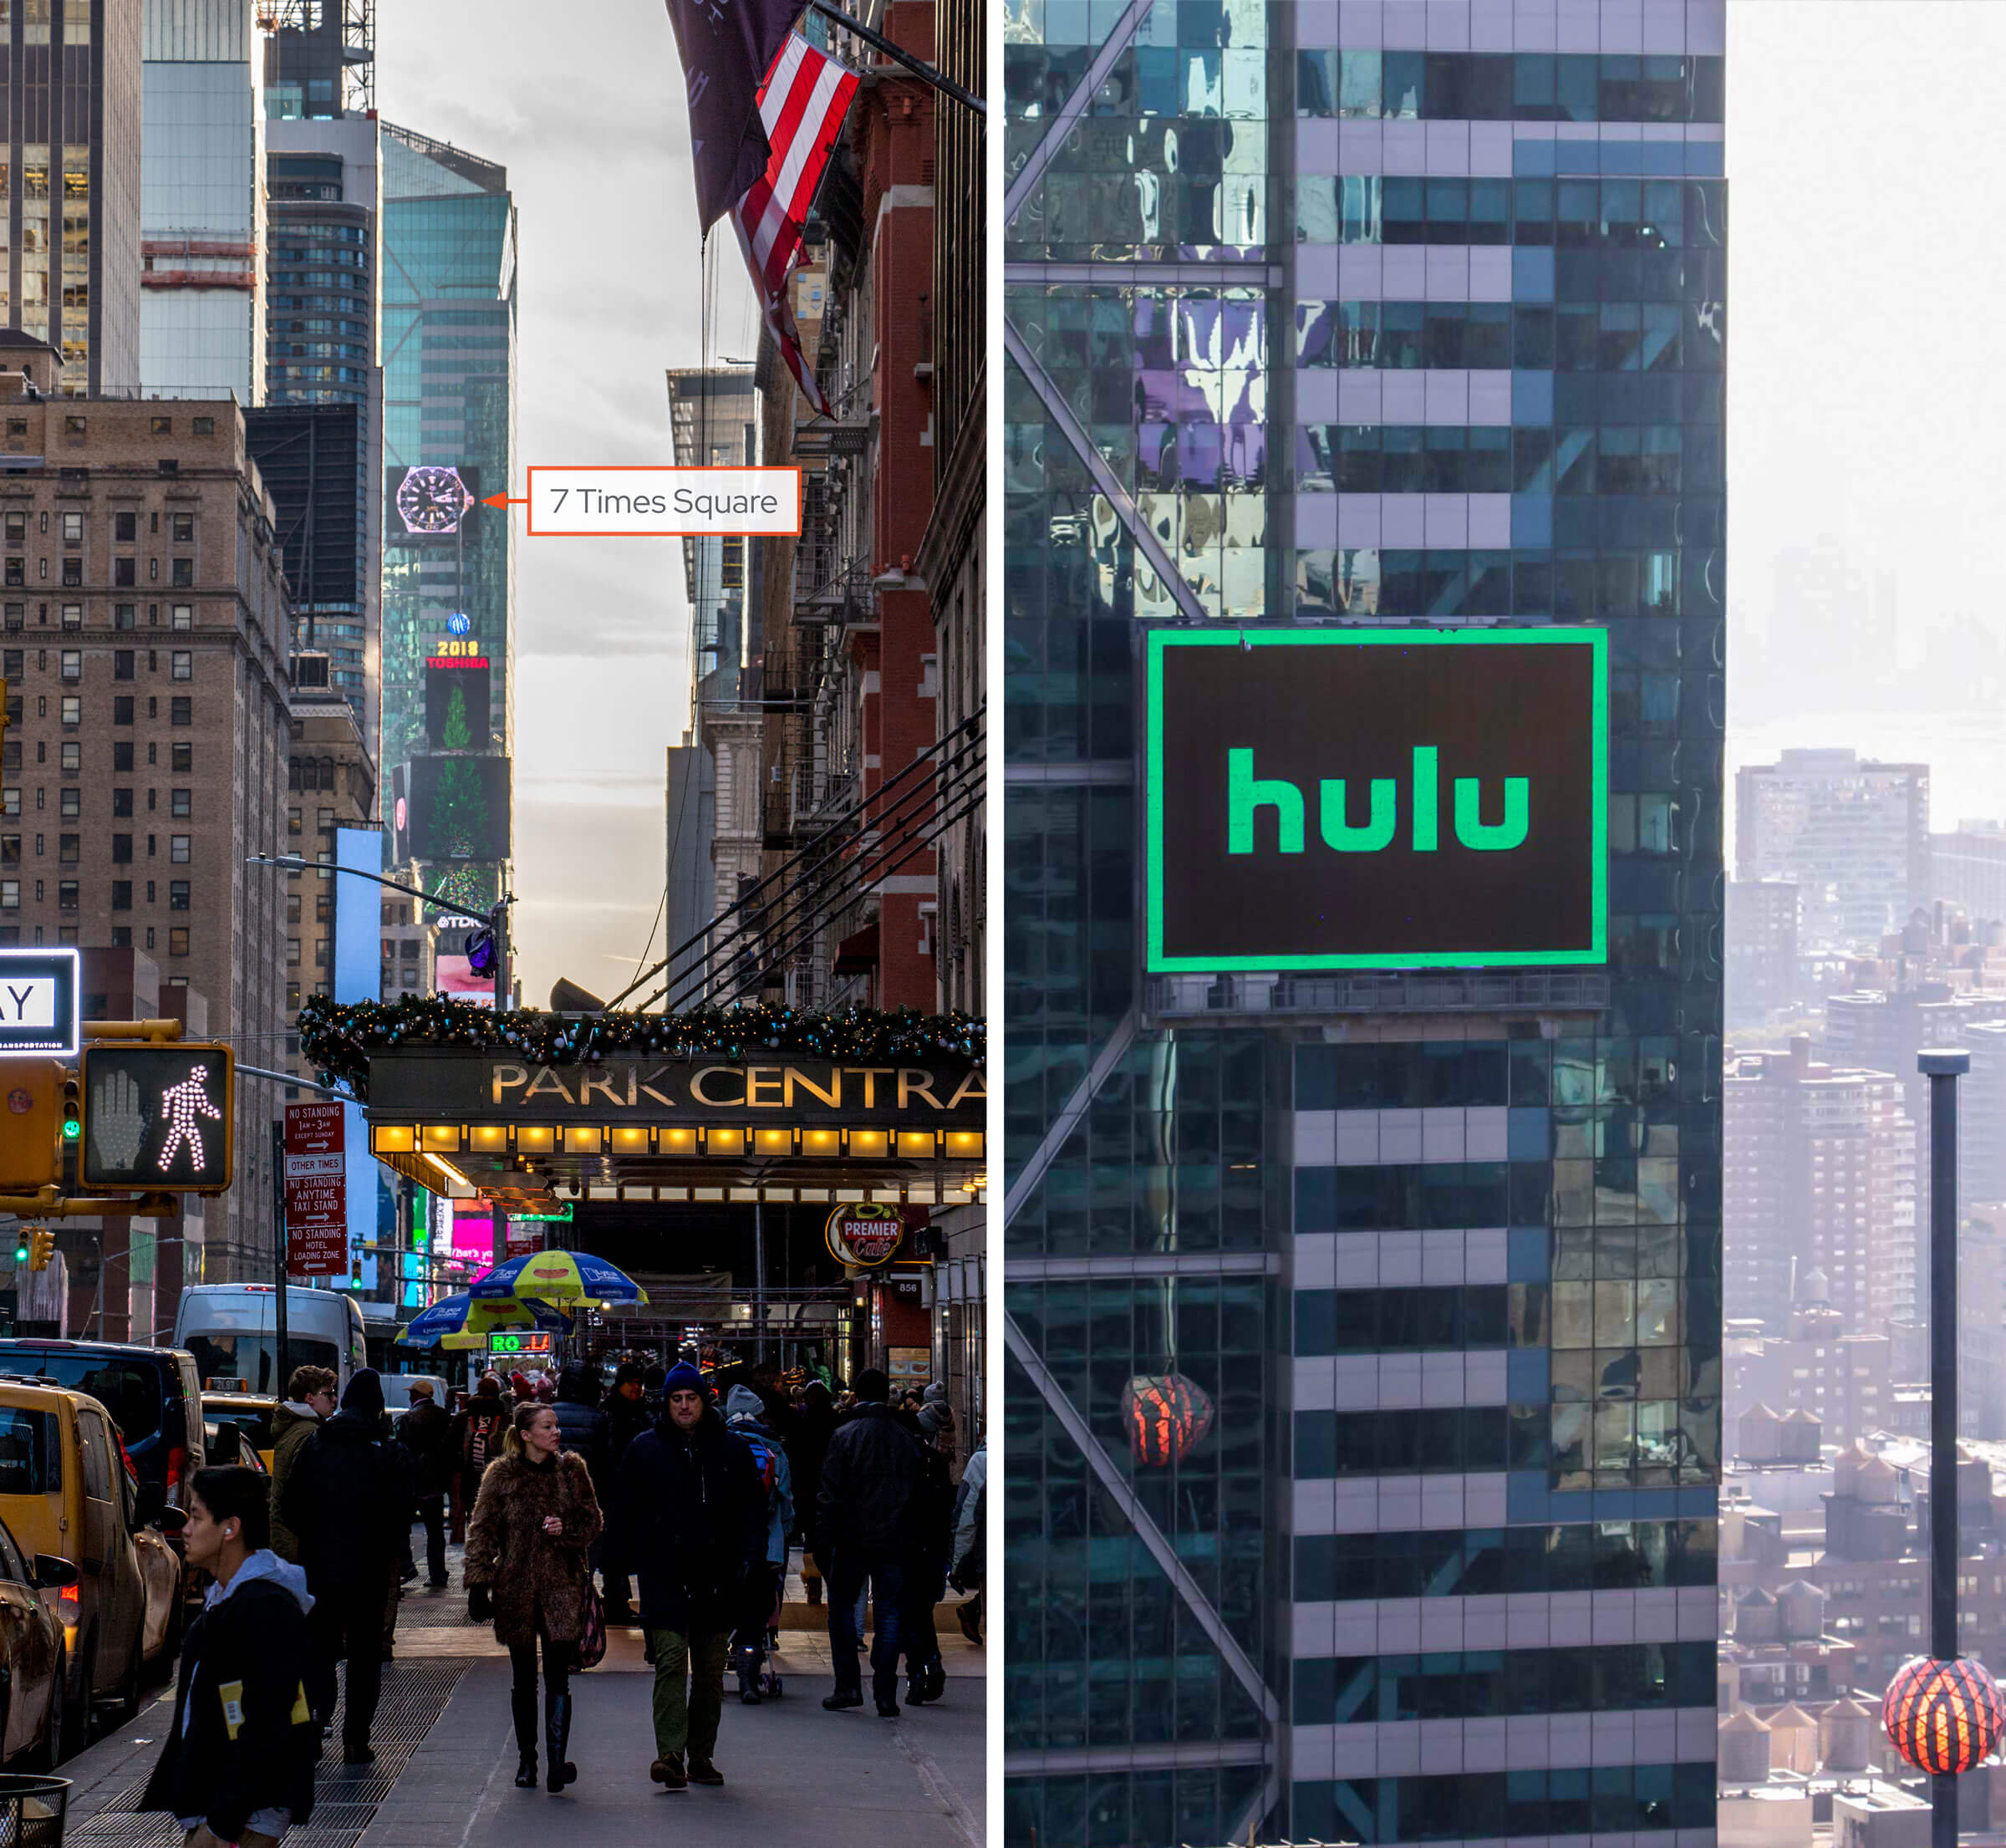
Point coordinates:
[[1387, 798]]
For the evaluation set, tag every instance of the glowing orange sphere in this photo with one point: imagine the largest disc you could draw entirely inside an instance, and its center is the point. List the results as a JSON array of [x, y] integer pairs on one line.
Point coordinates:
[[1167, 1416], [1943, 1716]]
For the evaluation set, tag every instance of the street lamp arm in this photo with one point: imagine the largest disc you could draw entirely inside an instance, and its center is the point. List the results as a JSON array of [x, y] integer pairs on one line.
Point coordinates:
[[294, 862]]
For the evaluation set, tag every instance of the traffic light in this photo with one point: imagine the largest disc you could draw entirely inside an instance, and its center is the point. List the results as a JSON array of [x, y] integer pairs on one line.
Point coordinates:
[[21, 1250], [41, 1247], [30, 1150], [158, 1117], [73, 1109]]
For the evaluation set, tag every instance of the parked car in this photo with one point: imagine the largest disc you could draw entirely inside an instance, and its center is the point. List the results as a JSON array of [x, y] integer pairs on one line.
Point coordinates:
[[66, 1492], [149, 1392], [33, 1693], [251, 1413]]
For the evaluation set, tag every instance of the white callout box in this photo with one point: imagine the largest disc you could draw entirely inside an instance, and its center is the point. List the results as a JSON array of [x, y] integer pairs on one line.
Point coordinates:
[[664, 503]]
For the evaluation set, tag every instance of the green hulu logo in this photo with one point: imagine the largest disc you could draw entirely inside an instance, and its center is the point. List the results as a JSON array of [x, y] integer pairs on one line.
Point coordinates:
[[1246, 794]]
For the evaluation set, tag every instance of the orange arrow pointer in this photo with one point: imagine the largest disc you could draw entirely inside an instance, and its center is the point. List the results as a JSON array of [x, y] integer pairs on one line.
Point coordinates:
[[503, 500]]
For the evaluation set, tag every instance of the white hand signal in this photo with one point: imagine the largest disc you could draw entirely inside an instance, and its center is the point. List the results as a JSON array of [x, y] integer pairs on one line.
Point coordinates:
[[117, 1125]]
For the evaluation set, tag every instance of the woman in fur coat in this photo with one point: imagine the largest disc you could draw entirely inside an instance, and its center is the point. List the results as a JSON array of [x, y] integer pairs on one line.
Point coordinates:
[[526, 1570]]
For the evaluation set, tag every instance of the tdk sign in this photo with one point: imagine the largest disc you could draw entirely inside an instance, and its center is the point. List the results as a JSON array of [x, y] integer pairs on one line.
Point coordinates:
[[1397, 798]]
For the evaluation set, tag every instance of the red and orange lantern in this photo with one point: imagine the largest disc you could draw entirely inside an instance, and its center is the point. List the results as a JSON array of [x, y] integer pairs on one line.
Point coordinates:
[[1168, 1417], [1943, 1716]]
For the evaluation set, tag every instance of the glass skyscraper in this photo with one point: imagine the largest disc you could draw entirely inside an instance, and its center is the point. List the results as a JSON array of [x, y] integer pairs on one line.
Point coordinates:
[[1363, 1329], [448, 352]]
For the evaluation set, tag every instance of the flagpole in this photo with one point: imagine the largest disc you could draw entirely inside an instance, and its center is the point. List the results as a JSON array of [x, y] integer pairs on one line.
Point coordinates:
[[898, 54]]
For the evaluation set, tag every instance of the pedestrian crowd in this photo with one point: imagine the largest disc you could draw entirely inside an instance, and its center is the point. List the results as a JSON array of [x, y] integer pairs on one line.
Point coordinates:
[[685, 1510]]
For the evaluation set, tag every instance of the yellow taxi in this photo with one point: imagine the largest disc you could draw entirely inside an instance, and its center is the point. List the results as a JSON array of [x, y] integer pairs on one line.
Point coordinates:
[[251, 1413], [68, 1491]]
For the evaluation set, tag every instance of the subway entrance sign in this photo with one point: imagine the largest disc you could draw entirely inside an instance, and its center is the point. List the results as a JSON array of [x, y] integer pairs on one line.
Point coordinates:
[[1392, 798]]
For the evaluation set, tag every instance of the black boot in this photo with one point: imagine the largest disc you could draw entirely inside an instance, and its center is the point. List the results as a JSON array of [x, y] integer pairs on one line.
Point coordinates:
[[522, 1701], [557, 1736]]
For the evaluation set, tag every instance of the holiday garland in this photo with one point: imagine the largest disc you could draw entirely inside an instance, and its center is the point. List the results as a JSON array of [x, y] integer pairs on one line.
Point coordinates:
[[339, 1038]]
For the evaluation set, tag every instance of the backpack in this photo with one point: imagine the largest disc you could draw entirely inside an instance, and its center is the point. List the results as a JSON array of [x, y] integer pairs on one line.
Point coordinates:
[[765, 1454]]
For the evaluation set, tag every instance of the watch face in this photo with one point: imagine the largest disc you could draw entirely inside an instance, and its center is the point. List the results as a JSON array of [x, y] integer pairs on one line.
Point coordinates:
[[432, 500]]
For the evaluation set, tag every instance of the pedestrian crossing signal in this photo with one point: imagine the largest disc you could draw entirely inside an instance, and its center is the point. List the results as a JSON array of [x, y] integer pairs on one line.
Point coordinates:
[[157, 1117]]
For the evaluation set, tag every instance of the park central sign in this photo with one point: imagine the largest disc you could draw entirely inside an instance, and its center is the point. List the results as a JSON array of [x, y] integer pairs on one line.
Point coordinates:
[[469, 1087]]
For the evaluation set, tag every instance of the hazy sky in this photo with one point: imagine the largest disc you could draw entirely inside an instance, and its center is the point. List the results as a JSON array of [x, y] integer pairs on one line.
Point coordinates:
[[582, 103], [1865, 281]]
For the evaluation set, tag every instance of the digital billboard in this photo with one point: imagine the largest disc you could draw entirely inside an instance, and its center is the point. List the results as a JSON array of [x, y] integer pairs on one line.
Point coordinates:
[[459, 808], [426, 505], [456, 706], [1387, 798], [453, 976]]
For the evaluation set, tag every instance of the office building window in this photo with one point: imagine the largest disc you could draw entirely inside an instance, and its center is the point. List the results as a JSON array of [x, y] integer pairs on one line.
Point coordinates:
[[180, 665], [184, 572], [66, 895], [178, 848], [181, 804], [121, 894], [73, 709], [182, 712], [72, 756], [177, 940], [73, 529], [183, 528], [121, 664], [293, 953], [121, 849], [124, 574], [125, 527], [177, 894], [181, 759], [180, 616], [122, 750]]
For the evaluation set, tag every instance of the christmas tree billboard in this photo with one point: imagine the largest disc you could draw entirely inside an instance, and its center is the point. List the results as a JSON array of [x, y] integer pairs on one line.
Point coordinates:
[[459, 808]]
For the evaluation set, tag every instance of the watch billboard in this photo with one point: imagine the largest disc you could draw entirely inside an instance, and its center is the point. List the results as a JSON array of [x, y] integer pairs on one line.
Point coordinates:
[[1384, 798], [428, 503]]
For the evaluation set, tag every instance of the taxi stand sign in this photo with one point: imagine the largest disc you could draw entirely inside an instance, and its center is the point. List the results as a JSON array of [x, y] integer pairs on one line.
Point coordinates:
[[158, 1117], [40, 993]]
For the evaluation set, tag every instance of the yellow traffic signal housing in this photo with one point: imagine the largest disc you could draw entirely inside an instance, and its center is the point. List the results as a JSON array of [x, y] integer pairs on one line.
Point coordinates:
[[30, 1147], [41, 1247]]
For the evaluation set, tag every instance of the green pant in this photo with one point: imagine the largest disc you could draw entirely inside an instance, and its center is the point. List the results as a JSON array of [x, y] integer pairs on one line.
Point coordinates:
[[688, 1690]]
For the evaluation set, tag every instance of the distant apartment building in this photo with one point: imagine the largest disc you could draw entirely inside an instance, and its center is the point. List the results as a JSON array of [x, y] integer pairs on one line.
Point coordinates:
[[1820, 1191], [202, 202], [1762, 966], [1852, 834], [1967, 869]]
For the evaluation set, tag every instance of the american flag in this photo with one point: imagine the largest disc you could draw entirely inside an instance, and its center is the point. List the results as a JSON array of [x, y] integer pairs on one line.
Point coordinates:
[[802, 107]]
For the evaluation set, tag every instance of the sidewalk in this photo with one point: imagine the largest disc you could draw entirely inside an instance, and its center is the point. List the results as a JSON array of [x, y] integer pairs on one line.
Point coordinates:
[[445, 1759]]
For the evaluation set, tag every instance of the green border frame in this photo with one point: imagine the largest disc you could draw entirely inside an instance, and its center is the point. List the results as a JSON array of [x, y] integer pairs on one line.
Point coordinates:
[[1157, 640]]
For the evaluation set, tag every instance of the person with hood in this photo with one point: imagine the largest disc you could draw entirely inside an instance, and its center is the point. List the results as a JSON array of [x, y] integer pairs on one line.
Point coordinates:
[[310, 1403], [814, 1425], [582, 1426], [692, 1524], [966, 1574], [869, 1477], [526, 1572], [931, 1535], [627, 1414], [744, 1415], [237, 1767], [477, 1433], [349, 1499], [427, 1433]]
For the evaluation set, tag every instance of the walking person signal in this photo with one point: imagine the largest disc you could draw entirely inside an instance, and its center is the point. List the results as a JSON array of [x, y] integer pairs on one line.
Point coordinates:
[[532, 1524]]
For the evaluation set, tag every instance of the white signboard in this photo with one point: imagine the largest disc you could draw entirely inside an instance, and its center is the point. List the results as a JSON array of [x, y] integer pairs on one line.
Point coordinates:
[[40, 991]]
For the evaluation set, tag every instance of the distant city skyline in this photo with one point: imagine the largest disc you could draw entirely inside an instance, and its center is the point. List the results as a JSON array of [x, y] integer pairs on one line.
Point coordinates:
[[602, 667]]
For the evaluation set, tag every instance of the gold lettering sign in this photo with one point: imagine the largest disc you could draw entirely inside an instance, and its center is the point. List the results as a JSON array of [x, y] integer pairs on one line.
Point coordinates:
[[606, 1090]]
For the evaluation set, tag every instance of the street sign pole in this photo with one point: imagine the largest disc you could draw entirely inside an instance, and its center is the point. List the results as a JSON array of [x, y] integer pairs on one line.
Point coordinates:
[[278, 1249]]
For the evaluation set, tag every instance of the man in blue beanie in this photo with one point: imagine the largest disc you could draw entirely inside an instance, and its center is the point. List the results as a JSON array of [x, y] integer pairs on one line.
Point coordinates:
[[349, 1500], [689, 1523]]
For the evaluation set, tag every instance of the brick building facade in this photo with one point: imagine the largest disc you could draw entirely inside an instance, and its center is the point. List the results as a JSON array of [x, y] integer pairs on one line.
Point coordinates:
[[145, 646]]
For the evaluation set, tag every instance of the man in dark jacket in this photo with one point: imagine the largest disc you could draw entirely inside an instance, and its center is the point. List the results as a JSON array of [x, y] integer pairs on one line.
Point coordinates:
[[929, 1543], [691, 1525], [583, 1426], [238, 1762], [627, 1416], [868, 1476], [427, 1433], [349, 1501]]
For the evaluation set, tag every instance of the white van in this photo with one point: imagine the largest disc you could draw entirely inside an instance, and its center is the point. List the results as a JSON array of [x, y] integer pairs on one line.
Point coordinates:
[[229, 1329]]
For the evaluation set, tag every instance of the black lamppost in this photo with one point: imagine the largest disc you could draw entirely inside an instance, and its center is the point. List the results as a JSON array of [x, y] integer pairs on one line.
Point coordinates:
[[1942, 1712]]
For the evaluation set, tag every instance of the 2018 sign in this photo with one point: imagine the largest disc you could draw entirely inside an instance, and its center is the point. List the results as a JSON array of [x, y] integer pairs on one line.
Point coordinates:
[[864, 1235], [1386, 798]]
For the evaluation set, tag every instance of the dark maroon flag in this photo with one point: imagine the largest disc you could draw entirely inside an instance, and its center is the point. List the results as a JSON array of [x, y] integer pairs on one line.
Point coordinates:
[[727, 46]]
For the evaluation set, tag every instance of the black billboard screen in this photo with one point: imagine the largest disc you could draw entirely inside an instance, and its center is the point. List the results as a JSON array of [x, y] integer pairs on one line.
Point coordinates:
[[459, 808], [1380, 798]]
